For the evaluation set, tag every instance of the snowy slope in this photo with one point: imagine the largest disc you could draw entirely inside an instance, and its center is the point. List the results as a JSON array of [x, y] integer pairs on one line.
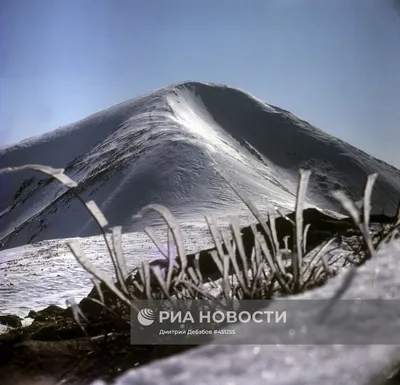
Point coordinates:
[[36, 275], [159, 149]]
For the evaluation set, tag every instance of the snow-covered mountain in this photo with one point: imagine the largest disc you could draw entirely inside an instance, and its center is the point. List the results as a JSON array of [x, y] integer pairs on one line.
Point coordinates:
[[159, 148]]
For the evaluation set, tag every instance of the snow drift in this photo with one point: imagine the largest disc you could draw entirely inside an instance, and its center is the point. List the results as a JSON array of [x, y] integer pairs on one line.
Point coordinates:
[[161, 147]]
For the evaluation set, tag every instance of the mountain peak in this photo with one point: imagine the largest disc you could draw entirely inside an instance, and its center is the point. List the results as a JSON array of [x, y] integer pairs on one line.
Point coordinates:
[[162, 147]]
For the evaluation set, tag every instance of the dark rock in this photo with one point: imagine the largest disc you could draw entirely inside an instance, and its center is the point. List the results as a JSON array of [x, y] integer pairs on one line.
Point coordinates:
[[10, 320], [33, 314], [90, 308], [68, 313], [92, 305], [54, 332], [51, 312]]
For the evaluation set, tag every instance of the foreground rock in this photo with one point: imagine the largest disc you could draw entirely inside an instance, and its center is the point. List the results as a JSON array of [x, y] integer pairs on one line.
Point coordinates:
[[50, 313], [296, 364], [10, 320]]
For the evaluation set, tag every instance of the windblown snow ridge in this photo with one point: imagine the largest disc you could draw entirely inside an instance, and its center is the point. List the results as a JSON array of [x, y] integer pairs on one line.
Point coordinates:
[[159, 148]]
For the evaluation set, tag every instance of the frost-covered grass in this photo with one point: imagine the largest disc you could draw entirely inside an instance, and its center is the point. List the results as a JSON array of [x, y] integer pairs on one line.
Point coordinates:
[[255, 276]]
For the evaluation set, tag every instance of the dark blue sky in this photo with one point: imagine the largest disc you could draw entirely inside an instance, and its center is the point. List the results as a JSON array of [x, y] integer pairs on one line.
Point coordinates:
[[335, 63]]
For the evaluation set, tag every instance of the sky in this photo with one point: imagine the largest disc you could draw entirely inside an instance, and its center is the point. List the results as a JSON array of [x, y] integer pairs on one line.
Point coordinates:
[[334, 63]]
